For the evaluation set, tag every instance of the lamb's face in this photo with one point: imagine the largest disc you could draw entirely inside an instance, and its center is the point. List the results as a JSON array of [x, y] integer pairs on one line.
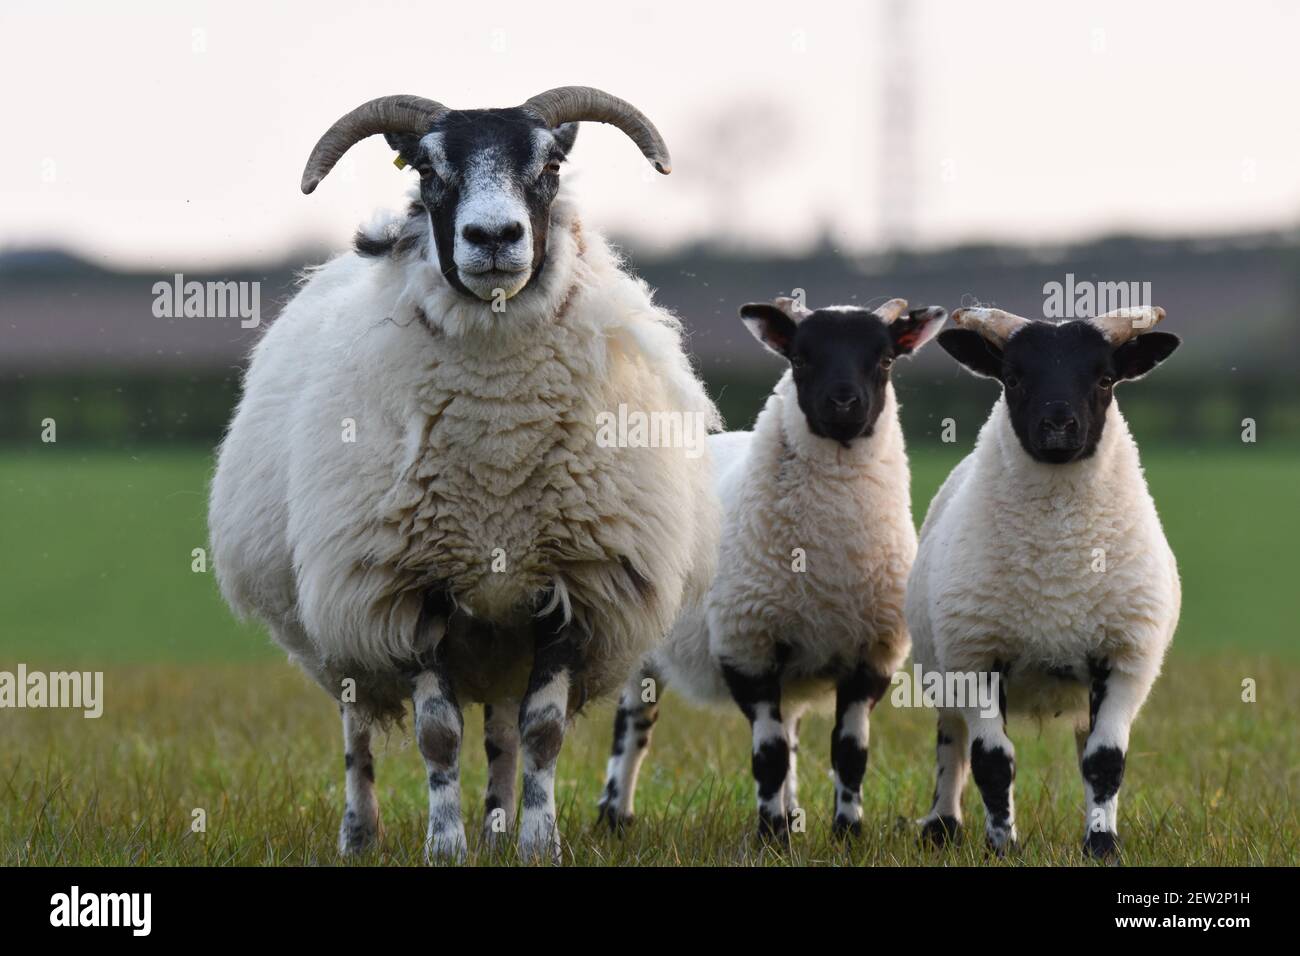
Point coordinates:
[[487, 179], [1058, 380], [840, 358]]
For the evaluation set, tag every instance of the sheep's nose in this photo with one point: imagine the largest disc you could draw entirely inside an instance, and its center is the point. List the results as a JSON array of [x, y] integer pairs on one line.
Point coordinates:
[[1059, 417], [493, 237], [844, 401]]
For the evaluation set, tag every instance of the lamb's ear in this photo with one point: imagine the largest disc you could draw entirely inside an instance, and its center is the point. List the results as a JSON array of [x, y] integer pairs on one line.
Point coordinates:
[[564, 135], [770, 326], [1140, 355], [973, 351], [406, 144], [919, 326]]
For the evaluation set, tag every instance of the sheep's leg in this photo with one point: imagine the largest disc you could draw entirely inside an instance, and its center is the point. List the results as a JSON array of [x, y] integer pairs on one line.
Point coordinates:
[[952, 761], [993, 765], [633, 726], [361, 816], [792, 774], [759, 699], [1114, 702], [543, 717], [438, 730], [501, 743], [855, 695]]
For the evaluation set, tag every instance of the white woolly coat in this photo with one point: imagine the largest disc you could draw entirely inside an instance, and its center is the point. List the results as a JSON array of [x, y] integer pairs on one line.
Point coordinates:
[[1009, 568], [475, 466], [794, 500]]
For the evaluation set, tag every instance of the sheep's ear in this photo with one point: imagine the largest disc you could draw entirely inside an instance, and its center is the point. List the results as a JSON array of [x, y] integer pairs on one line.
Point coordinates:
[[973, 351], [770, 326], [919, 326], [406, 144], [1140, 355], [564, 135]]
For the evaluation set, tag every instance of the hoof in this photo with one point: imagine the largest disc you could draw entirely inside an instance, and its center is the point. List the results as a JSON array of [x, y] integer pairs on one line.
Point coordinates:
[[448, 846], [1101, 845], [940, 832], [773, 832], [842, 828], [618, 823], [1001, 843], [356, 834]]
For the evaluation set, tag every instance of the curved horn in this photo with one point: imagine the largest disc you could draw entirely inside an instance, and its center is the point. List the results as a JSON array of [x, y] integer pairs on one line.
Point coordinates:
[[387, 114], [994, 324], [1123, 324], [571, 104], [891, 310]]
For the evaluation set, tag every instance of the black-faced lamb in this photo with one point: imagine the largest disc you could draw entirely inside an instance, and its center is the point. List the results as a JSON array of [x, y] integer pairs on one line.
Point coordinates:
[[412, 493], [816, 546], [1042, 561]]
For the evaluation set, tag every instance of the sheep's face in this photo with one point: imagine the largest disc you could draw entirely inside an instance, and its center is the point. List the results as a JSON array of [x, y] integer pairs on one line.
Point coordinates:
[[840, 359], [1058, 380], [487, 180]]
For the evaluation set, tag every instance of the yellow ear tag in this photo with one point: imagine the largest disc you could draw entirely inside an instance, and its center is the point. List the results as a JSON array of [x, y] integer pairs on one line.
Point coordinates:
[[399, 162]]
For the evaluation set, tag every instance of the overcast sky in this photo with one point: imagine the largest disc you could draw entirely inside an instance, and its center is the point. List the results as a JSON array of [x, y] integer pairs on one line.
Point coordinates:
[[161, 134]]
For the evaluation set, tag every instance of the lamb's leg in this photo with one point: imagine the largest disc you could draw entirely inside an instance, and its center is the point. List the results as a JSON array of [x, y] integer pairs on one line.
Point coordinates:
[[759, 699], [952, 760], [633, 726], [993, 765], [792, 774], [855, 695], [501, 743], [361, 816], [438, 730], [1114, 702], [543, 717]]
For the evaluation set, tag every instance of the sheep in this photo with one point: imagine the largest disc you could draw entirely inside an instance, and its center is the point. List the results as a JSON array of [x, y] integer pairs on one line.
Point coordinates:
[[412, 493], [817, 543], [1042, 564]]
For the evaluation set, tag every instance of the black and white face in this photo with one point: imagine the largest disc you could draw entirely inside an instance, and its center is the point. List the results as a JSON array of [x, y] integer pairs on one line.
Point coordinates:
[[487, 179], [1058, 380], [840, 359]]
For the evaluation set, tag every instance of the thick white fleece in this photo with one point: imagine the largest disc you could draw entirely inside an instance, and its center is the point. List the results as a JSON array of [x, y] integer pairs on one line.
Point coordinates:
[[787, 492], [1007, 567], [475, 447]]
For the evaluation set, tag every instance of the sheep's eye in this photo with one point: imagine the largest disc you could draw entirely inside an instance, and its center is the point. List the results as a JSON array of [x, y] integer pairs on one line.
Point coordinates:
[[1012, 381], [1105, 382], [886, 363]]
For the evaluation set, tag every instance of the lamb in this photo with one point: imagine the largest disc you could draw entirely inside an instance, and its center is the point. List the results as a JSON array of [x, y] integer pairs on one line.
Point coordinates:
[[817, 543], [1042, 562], [413, 494]]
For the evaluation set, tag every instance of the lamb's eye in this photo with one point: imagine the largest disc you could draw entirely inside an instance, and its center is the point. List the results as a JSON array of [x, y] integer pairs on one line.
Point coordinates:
[[886, 363], [1105, 382], [1011, 381], [551, 169]]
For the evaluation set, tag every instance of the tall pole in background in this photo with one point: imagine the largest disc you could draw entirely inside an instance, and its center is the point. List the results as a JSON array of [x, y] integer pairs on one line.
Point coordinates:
[[896, 190]]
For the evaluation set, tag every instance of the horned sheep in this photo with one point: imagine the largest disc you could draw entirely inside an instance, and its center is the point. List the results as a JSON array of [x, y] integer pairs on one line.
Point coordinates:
[[412, 493]]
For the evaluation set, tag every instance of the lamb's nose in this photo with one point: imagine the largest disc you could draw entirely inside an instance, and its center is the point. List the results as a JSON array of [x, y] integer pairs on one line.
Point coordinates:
[[494, 237], [844, 401], [1059, 417]]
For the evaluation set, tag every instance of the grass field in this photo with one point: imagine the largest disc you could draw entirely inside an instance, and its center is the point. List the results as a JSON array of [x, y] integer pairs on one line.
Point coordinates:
[[201, 713]]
